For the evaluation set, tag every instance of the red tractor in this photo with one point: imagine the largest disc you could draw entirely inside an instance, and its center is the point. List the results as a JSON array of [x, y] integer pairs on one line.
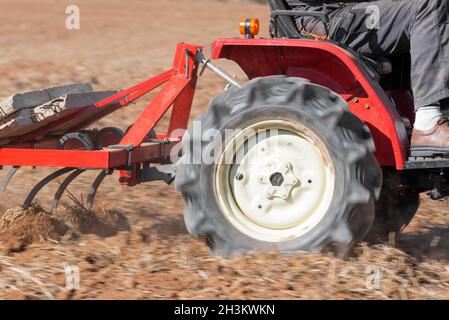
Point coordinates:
[[315, 150]]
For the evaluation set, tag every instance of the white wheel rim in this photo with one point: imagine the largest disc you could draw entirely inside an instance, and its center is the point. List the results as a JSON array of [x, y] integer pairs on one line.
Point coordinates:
[[279, 183]]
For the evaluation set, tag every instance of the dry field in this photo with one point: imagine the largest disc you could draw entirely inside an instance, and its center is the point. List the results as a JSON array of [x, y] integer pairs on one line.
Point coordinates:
[[134, 244]]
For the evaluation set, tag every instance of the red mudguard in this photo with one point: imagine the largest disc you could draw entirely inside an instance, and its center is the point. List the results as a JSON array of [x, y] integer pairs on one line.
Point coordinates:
[[333, 67]]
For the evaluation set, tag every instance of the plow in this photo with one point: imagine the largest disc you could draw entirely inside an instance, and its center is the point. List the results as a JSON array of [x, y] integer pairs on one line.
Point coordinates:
[[110, 149], [316, 152]]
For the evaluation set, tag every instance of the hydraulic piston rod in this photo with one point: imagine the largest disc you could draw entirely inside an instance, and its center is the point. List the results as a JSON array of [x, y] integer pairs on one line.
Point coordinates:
[[218, 71]]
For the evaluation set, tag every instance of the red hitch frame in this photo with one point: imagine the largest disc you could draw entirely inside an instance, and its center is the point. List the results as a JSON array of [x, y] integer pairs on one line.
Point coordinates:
[[35, 149]]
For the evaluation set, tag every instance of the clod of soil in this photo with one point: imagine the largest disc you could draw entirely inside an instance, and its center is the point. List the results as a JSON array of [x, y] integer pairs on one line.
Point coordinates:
[[21, 227]]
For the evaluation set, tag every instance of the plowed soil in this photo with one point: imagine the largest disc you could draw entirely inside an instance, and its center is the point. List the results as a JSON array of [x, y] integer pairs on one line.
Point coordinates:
[[134, 243]]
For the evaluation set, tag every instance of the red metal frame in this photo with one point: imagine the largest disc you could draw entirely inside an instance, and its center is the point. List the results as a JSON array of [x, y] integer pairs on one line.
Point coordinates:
[[321, 62], [34, 149], [331, 66]]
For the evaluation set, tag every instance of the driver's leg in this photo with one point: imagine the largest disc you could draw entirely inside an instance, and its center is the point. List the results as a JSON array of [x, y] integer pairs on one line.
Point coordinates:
[[421, 27]]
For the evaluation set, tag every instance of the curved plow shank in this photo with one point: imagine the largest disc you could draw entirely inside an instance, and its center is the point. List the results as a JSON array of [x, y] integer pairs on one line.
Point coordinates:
[[8, 178], [29, 199], [94, 187], [63, 187]]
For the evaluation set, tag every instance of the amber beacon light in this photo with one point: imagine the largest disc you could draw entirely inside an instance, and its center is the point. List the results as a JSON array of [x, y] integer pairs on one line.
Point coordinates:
[[249, 28]]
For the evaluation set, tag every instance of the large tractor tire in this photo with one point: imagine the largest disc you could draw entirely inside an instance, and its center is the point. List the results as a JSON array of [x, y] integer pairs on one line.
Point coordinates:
[[395, 209], [297, 172]]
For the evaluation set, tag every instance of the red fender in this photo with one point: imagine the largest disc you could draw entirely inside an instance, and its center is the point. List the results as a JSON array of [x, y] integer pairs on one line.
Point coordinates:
[[328, 65]]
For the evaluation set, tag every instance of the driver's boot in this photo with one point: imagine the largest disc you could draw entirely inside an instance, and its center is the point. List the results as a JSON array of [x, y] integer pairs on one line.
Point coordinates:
[[431, 142]]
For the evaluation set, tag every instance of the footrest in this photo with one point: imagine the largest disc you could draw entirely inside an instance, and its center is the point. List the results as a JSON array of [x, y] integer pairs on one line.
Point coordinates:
[[436, 162]]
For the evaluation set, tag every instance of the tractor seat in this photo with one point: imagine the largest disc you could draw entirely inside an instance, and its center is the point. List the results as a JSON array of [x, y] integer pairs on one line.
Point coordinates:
[[286, 28], [382, 66]]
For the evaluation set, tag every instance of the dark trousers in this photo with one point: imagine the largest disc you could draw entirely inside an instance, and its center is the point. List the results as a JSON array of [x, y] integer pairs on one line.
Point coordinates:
[[388, 27]]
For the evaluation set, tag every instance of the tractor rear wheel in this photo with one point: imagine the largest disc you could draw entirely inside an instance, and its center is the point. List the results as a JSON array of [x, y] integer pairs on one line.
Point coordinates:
[[296, 170]]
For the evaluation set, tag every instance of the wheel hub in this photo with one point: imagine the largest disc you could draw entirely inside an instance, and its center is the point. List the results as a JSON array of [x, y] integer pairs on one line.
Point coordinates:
[[282, 184], [278, 179]]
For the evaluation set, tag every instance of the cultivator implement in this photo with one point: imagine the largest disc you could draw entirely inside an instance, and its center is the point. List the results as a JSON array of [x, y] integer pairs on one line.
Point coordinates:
[[65, 143]]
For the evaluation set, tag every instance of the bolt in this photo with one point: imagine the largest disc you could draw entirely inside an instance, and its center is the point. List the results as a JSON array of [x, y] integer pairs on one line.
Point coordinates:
[[435, 194], [239, 176], [277, 179], [284, 195], [367, 106], [355, 99]]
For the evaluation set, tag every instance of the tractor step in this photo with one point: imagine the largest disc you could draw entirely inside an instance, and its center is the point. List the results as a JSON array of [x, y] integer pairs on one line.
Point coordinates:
[[435, 162]]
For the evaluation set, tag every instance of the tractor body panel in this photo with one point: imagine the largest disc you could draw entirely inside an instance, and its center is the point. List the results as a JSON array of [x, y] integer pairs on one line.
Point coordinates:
[[331, 66]]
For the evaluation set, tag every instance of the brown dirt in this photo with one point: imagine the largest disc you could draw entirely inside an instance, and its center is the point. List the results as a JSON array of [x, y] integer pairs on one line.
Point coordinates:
[[23, 227], [134, 244]]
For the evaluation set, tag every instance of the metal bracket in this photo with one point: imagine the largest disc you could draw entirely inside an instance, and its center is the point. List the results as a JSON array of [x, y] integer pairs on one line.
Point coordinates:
[[440, 189], [128, 148], [147, 174], [164, 143]]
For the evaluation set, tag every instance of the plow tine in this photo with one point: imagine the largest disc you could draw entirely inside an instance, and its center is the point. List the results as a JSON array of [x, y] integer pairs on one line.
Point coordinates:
[[29, 199], [94, 187], [63, 187], [8, 178]]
